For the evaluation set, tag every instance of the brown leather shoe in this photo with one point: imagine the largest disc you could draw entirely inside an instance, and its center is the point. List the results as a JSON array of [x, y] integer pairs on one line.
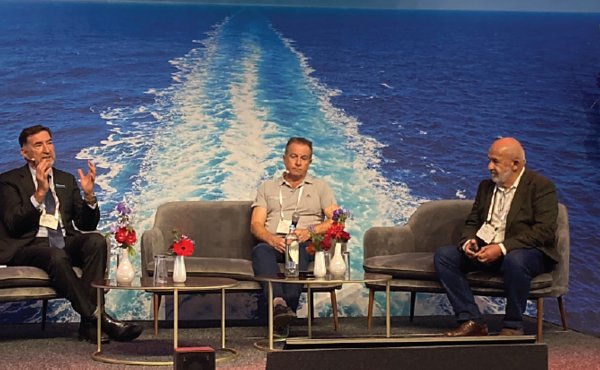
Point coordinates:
[[511, 332], [469, 329]]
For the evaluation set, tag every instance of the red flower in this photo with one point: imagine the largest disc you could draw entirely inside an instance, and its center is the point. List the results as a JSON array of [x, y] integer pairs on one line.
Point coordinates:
[[326, 243], [183, 247], [336, 231], [121, 235], [310, 249], [131, 237]]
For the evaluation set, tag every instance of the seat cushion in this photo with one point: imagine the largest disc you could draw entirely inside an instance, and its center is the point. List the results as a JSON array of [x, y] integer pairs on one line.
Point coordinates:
[[26, 276], [26, 293], [234, 268], [23, 276], [419, 266], [413, 265], [488, 280]]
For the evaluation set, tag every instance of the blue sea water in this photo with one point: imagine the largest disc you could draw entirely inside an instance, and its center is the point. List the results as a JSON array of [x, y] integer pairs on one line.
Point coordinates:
[[194, 102]]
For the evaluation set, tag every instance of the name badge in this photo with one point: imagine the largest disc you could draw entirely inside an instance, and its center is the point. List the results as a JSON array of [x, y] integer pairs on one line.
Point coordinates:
[[49, 221], [486, 233], [283, 227]]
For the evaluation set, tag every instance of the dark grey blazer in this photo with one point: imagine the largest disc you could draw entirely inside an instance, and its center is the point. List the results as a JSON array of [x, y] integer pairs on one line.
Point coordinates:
[[531, 220], [19, 220]]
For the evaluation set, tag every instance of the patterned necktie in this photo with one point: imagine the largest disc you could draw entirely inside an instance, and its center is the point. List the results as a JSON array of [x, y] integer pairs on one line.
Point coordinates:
[[55, 237]]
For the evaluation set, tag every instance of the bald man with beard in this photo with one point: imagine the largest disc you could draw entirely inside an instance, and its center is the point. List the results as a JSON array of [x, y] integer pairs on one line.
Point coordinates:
[[510, 230]]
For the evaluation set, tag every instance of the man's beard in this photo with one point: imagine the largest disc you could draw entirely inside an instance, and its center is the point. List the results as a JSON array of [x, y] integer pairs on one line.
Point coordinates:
[[500, 178]]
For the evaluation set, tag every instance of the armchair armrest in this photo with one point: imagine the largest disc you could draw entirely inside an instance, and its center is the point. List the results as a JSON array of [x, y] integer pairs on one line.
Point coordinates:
[[153, 243], [388, 240]]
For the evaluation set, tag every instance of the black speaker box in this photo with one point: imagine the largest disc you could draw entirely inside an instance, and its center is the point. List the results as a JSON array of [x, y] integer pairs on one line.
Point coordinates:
[[194, 358]]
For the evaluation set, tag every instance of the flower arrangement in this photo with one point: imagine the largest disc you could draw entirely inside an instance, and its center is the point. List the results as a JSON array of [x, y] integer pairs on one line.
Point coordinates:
[[317, 241], [182, 244], [123, 230], [335, 233]]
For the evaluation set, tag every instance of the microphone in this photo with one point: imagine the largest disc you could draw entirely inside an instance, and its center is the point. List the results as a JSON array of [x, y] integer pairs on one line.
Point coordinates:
[[295, 219]]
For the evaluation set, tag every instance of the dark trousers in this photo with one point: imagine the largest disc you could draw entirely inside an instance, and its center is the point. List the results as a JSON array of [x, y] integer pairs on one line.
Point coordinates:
[[87, 251], [517, 268], [265, 262]]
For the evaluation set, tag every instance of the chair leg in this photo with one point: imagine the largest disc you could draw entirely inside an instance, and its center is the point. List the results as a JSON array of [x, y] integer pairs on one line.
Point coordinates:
[[312, 306], [540, 319], [563, 314], [413, 300], [370, 309], [334, 310], [156, 298], [44, 313]]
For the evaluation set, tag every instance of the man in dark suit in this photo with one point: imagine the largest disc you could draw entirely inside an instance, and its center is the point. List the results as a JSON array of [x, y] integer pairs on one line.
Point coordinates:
[[510, 230], [41, 213]]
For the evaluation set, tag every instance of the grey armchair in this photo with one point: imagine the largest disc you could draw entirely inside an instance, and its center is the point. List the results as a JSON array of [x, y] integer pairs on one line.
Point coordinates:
[[221, 230], [406, 253]]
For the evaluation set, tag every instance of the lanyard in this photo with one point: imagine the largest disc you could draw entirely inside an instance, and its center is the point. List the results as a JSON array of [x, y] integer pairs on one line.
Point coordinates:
[[281, 200], [501, 212], [491, 210]]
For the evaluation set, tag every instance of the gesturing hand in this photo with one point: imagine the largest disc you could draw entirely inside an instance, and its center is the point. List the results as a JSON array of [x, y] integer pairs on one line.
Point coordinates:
[[87, 181], [42, 172]]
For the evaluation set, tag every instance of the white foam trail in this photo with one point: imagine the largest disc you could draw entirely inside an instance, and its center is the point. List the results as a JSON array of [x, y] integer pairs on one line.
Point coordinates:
[[245, 139]]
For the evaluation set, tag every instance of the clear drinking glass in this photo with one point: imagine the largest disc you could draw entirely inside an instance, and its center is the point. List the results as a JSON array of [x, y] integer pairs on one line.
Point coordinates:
[[161, 273], [346, 256]]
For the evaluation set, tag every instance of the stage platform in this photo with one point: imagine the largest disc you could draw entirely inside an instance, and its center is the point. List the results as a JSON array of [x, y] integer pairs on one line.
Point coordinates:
[[25, 346]]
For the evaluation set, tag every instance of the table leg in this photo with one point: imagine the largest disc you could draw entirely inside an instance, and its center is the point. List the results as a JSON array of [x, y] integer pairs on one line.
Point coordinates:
[[270, 304], [309, 303], [175, 317], [100, 308], [223, 318], [388, 330]]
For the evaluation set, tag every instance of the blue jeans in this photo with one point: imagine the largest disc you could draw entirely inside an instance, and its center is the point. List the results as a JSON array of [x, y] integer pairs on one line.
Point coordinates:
[[517, 268], [265, 262]]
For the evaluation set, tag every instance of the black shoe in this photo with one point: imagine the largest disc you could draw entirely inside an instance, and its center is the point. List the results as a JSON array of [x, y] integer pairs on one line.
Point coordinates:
[[119, 330], [282, 315], [88, 332], [282, 332]]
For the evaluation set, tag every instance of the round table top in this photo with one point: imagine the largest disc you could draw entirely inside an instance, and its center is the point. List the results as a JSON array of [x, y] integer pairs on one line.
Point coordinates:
[[328, 279], [192, 284]]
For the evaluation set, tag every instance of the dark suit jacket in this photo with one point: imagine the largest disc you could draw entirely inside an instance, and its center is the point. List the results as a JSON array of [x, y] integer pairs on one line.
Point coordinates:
[[19, 219], [531, 220]]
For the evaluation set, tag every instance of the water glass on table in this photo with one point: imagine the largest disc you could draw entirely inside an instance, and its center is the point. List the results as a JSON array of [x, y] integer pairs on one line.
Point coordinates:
[[161, 273]]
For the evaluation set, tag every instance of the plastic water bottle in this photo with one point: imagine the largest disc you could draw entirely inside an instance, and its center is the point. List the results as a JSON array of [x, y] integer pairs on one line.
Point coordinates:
[[292, 253]]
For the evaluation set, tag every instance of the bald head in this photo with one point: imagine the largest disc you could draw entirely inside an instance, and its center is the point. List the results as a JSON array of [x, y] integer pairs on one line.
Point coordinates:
[[507, 159], [510, 147]]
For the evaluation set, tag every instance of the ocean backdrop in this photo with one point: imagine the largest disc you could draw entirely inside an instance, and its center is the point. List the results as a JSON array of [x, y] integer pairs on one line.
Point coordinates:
[[184, 102]]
